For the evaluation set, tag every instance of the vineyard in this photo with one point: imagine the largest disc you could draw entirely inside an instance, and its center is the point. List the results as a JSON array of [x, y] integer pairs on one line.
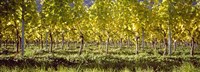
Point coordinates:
[[100, 35]]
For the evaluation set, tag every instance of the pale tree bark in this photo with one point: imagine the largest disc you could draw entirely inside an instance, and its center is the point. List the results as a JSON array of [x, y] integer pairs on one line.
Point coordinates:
[[169, 41], [169, 28], [39, 9]]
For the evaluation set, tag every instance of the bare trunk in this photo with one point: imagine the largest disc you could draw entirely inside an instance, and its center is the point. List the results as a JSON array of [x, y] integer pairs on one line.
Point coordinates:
[[153, 46], [120, 43], [46, 40], [0, 43], [17, 44], [63, 41], [57, 42], [1, 40], [192, 47], [1, 36], [169, 41], [27, 44], [100, 43], [142, 38], [5, 44], [156, 43], [128, 42], [165, 48], [18, 41], [107, 42], [81, 46], [23, 22], [137, 45], [51, 41], [41, 41]]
